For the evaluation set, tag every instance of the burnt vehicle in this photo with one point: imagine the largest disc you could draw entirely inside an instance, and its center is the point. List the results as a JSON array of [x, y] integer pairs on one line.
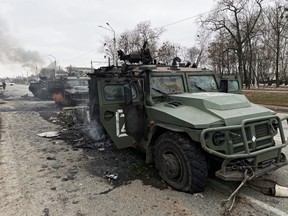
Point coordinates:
[[45, 88], [75, 91], [184, 123], [67, 91]]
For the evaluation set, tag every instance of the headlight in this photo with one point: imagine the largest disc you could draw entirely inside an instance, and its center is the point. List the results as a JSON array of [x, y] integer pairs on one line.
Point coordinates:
[[218, 138]]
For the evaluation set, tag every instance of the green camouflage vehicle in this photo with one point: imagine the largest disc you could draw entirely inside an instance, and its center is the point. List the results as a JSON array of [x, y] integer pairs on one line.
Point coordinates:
[[66, 91], [185, 123], [45, 88], [75, 91]]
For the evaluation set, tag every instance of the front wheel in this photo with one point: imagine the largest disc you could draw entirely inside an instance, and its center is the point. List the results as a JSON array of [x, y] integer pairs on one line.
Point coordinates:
[[180, 162]]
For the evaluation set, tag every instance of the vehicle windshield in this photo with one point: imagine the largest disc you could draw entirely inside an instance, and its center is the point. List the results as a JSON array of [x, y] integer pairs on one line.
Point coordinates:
[[76, 82], [165, 85], [202, 83]]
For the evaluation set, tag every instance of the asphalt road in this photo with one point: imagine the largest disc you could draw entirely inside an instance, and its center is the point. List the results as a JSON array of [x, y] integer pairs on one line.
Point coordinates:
[[31, 185]]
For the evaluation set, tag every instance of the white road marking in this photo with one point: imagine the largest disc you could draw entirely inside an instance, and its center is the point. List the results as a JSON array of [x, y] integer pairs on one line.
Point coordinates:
[[265, 206], [218, 185]]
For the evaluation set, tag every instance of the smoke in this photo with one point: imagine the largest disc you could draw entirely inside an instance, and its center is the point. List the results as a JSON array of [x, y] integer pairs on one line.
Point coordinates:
[[11, 52], [94, 130]]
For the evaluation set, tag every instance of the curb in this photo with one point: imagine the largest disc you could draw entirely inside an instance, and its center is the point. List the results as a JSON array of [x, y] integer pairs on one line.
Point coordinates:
[[276, 108]]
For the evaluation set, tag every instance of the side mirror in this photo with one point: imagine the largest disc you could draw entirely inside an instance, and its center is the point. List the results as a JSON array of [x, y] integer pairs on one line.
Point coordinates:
[[128, 94]]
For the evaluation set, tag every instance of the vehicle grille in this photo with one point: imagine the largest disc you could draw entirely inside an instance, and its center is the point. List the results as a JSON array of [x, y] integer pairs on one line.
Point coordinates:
[[260, 131]]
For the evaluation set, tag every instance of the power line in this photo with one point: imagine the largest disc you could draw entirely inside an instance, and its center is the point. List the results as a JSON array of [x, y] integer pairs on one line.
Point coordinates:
[[84, 54], [183, 20], [169, 24]]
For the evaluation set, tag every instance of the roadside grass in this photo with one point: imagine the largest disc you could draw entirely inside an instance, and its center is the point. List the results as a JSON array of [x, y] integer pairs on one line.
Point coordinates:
[[276, 98]]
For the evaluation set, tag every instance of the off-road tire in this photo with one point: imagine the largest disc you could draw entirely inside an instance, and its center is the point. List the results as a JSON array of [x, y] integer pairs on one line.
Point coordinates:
[[180, 162]]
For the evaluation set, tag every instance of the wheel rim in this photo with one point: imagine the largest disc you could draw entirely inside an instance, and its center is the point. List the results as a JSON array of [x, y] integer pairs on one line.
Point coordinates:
[[172, 166]]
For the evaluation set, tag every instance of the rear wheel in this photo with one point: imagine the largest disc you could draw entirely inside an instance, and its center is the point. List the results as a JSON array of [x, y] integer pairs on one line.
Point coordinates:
[[181, 163]]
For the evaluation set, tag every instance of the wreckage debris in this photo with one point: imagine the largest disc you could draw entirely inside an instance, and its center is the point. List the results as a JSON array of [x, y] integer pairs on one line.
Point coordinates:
[[111, 176], [49, 134], [77, 131], [78, 139]]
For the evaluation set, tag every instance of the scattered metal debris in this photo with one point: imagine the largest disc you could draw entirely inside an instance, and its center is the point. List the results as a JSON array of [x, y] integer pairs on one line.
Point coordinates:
[[49, 134], [111, 176]]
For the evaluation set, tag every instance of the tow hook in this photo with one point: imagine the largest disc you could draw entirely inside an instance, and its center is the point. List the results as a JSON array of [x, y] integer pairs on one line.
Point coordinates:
[[248, 175]]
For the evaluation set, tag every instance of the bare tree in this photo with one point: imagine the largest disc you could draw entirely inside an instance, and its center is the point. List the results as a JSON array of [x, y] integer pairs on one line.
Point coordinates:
[[167, 52], [238, 18], [133, 40], [221, 54], [107, 48], [202, 41], [192, 54], [275, 33]]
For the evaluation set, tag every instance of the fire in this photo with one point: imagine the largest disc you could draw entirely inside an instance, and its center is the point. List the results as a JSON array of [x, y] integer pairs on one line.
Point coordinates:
[[58, 97]]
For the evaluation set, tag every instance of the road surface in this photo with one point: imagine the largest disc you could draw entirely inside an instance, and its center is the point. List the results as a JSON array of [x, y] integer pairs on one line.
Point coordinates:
[[48, 176]]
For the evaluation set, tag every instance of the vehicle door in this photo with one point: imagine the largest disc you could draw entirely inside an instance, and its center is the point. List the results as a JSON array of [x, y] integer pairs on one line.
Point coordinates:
[[111, 104]]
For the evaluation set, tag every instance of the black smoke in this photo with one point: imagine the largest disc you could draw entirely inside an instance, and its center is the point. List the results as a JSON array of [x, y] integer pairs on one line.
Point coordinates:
[[11, 52]]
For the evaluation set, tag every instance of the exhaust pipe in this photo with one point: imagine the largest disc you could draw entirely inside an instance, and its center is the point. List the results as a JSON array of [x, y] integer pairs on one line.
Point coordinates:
[[278, 191]]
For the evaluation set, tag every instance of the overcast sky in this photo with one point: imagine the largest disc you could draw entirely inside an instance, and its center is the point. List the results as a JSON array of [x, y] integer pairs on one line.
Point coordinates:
[[33, 30]]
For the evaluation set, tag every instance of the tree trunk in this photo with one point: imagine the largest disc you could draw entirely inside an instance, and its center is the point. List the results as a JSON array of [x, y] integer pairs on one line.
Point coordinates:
[[277, 61]]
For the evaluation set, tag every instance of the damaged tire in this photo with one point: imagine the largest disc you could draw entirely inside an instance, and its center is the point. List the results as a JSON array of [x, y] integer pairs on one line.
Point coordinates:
[[181, 163]]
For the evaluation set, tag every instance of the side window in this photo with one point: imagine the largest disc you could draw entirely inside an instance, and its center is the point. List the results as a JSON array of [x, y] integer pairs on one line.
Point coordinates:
[[233, 85], [202, 83], [116, 92]]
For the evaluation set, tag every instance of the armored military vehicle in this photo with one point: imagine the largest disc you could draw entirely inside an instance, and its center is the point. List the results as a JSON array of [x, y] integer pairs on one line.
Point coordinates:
[[45, 88], [75, 91], [184, 122], [67, 91]]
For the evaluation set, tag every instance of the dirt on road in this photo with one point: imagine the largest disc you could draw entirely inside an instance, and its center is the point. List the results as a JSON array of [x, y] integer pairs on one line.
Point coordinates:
[[71, 174], [63, 175]]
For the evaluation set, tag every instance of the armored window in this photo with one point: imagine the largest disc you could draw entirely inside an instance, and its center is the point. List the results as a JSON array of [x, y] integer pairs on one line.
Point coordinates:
[[76, 82], [233, 86], [116, 92], [166, 85], [202, 83]]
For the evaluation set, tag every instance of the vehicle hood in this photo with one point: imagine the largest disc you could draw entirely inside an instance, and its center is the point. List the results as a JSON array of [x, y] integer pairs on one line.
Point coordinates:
[[77, 89], [206, 109]]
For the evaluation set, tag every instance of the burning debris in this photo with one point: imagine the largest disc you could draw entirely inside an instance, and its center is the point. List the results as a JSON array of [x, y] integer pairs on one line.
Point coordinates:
[[75, 137], [58, 97], [77, 130]]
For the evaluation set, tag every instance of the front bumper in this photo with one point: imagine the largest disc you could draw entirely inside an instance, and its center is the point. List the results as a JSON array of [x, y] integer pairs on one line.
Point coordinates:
[[262, 159]]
